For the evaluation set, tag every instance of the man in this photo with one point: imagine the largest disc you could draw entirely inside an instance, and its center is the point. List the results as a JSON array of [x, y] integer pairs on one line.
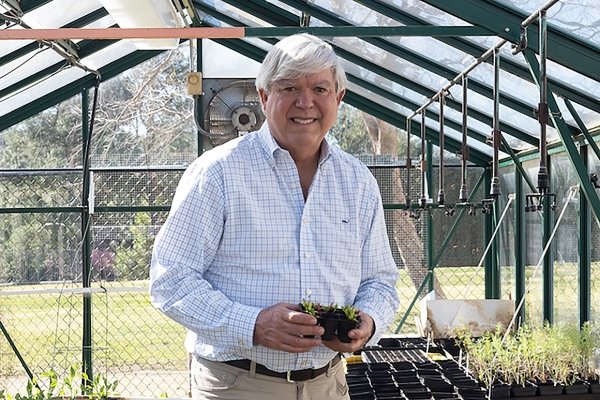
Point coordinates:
[[265, 221]]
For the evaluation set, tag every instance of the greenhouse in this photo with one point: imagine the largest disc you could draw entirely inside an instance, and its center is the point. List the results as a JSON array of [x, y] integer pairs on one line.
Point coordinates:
[[479, 120]]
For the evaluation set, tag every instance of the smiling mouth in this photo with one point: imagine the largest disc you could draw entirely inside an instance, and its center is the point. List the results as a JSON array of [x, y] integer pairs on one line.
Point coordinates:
[[303, 121]]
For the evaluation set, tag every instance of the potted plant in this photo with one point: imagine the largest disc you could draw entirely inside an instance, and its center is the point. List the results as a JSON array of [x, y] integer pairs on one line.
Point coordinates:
[[335, 320], [351, 320], [329, 317]]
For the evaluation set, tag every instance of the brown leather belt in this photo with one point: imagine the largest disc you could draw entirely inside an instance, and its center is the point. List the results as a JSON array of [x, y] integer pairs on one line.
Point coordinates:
[[290, 376]]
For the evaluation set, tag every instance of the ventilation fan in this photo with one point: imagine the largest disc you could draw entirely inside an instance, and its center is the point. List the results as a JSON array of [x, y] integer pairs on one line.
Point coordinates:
[[232, 108]]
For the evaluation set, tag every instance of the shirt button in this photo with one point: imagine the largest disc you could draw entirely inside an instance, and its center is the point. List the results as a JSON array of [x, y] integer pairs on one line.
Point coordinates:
[[306, 255]]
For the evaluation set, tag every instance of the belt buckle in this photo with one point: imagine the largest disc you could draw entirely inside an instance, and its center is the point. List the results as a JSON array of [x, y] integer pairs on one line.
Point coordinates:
[[288, 377]]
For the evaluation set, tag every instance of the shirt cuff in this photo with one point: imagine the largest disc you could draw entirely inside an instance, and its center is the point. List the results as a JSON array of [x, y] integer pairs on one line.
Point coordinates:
[[243, 319]]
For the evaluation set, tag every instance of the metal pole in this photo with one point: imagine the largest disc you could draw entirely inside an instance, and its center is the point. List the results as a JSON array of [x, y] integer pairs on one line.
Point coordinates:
[[520, 242], [496, 134], [465, 149], [408, 163], [459, 77], [585, 251], [543, 107], [440, 198], [429, 216], [423, 161], [18, 354], [86, 249]]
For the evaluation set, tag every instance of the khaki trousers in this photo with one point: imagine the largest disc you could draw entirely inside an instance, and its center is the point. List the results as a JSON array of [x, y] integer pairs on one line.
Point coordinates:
[[215, 380]]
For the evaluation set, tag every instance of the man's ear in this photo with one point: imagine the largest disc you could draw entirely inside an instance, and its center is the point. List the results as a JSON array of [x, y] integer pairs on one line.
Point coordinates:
[[340, 96], [263, 97]]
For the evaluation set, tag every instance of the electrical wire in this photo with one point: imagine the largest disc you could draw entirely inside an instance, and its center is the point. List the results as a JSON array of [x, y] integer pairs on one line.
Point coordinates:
[[23, 63]]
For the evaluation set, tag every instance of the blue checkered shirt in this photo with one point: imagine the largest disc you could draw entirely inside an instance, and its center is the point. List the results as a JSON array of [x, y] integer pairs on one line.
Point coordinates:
[[240, 237]]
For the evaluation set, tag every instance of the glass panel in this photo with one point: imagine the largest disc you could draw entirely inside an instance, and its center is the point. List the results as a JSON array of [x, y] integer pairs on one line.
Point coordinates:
[[233, 12], [39, 89], [57, 13], [425, 11], [579, 18], [8, 46], [565, 242], [590, 118], [220, 62], [109, 54], [27, 65]]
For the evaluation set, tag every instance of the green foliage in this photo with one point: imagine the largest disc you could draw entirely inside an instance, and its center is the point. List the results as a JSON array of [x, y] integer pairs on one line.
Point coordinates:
[[310, 307], [315, 308], [351, 312], [350, 132], [132, 260], [70, 387], [550, 353]]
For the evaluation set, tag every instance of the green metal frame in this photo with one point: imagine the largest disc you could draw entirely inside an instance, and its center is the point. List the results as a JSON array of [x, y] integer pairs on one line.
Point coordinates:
[[86, 249], [428, 216], [488, 230], [585, 252]]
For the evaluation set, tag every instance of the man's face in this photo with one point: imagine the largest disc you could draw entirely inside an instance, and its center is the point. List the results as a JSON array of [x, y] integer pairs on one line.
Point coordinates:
[[301, 111]]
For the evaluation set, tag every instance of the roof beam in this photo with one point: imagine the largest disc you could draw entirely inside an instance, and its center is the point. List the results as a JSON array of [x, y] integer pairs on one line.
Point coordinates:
[[426, 63], [61, 35], [30, 5], [569, 144], [85, 20]]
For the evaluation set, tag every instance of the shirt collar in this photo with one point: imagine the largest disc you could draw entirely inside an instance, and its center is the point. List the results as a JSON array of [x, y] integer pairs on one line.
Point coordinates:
[[272, 146]]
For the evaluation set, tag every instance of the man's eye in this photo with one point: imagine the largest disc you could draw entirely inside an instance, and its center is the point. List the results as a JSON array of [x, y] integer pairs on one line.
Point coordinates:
[[289, 89], [321, 90]]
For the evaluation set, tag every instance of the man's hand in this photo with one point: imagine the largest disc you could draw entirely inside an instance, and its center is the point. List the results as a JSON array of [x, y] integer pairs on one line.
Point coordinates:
[[360, 336], [284, 327]]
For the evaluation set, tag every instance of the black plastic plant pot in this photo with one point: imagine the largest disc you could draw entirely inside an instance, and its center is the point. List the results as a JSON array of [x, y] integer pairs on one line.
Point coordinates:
[[528, 390], [500, 391], [330, 324], [550, 390], [345, 326], [594, 386], [577, 388]]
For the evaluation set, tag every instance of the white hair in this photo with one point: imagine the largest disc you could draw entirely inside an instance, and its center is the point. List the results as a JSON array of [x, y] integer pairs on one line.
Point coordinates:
[[296, 56]]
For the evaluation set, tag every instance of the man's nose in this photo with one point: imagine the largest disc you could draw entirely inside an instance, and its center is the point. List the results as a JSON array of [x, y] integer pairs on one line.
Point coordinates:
[[305, 98]]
